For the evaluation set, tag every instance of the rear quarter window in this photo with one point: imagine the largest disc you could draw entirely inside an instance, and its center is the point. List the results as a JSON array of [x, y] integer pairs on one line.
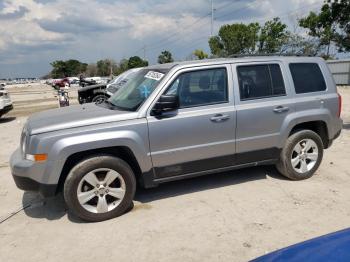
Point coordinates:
[[307, 77]]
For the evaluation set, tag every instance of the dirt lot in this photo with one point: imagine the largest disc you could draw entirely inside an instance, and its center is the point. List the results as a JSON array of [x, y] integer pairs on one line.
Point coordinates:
[[234, 216]]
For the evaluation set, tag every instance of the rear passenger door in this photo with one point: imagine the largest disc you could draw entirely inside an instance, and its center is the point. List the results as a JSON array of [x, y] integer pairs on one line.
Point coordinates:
[[263, 102]]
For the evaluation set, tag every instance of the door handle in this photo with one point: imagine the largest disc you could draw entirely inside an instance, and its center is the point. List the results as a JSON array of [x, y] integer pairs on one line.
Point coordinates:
[[219, 118], [280, 109]]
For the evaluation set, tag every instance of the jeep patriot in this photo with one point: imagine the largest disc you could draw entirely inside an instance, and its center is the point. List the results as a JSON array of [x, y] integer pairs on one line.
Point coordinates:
[[180, 120]]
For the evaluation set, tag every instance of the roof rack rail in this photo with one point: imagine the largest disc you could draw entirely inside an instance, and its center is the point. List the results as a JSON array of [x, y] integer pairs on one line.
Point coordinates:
[[260, 54]]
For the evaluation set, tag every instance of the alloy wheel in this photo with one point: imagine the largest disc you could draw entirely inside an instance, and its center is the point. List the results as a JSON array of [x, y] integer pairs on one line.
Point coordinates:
[[304, 156], [101, 190]]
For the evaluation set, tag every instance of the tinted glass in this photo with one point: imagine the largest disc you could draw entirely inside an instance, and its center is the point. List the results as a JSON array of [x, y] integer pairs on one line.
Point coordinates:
[[277, 80], [260, 81], [202, 87], [307, 77]]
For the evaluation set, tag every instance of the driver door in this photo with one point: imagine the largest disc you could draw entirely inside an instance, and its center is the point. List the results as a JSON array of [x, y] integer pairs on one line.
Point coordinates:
[[200, 135]]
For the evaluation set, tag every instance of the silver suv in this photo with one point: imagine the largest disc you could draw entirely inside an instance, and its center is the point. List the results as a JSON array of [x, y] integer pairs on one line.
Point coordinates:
[[181, 120]]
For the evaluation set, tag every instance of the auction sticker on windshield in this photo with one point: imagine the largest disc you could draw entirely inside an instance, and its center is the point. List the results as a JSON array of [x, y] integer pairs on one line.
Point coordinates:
[[154, 75]]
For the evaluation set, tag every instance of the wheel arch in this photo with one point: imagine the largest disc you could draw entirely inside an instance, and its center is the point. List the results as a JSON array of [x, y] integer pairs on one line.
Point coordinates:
[[122, 152], [317, 126]]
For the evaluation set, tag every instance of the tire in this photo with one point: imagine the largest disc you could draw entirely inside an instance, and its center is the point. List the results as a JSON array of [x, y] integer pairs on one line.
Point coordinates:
[[307, 161], [104, 168], [99, 98]]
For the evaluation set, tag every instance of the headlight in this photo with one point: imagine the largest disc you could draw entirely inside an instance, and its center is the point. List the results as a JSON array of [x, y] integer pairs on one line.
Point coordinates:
[[36, 157]]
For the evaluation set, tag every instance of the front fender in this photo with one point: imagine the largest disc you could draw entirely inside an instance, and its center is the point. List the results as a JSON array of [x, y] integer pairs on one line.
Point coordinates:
[[65, 147]]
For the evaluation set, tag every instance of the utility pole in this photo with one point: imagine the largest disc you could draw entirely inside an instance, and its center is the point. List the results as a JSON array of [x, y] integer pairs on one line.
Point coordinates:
[[212, 18], [144, 52]]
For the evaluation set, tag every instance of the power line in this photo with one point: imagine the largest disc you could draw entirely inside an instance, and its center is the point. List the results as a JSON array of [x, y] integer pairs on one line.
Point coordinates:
[[173, 38], [196, 23], [166, 39]]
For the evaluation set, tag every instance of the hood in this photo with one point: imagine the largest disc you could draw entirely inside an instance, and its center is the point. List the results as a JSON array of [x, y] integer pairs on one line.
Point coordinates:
[[74, 116], [83, 89]]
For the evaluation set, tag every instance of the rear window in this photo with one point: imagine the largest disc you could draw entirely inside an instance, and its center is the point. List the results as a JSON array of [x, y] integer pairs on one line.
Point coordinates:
[[307, 77]]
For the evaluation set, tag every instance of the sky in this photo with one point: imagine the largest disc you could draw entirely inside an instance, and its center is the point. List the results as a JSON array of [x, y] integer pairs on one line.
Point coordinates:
[[34, 33]]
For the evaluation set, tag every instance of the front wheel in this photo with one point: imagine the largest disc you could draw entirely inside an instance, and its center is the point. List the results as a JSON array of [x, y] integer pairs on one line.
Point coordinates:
[[301, 156], [98, 99], [100, 188]]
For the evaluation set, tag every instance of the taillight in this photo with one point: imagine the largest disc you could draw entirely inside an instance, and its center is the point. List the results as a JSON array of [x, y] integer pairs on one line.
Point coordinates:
[[339, 104]]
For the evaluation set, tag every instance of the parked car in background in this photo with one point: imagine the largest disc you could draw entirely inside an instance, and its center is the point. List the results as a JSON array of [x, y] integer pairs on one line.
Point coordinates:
[[92, 93], [59, 83], [5, 102], [181, 120], [116, 83], [100, 92]]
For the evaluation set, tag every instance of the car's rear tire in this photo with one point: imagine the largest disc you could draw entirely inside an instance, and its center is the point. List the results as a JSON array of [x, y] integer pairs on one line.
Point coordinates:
[[99, 98], [301, 155], [100, 188]]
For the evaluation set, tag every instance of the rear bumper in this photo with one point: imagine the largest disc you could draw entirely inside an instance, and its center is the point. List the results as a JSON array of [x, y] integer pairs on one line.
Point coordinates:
[[26, 175], [338, 127]]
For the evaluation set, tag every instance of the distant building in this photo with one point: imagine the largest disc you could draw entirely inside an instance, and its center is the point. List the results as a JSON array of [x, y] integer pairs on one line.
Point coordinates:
[[340, 70]]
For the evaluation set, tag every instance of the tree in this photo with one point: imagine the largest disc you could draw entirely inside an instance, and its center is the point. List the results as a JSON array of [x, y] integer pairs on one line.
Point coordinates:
[[331, 26], [70, 67], [136, 61], [273, 35], [235, 39], [250, 39], [106, 67], [91, 70], [200, 54], [216, 46], [300, 45], [58, 69], [121, 67], [165, 57]]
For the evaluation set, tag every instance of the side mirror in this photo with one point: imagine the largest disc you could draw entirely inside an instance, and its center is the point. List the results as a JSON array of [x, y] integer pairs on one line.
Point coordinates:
[[166, 103]]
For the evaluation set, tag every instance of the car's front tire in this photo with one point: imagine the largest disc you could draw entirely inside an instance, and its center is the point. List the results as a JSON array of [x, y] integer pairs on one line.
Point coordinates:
[[99, 98], [100, 188], [301, 155]]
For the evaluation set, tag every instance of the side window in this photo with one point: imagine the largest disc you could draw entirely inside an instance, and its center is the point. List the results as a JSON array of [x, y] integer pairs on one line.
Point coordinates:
[[260, 81], [198, 88], [307, 77]]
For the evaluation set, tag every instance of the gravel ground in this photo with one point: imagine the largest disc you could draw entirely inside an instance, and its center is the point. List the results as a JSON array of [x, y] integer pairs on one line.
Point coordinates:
[[233, 216]]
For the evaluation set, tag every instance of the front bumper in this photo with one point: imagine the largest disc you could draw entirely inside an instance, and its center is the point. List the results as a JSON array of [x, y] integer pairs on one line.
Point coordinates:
[[25, 174], [6, 109]]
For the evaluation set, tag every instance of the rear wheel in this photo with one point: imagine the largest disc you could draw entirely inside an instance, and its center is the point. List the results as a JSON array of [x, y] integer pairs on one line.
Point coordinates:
[[100, 188], [301, 156]]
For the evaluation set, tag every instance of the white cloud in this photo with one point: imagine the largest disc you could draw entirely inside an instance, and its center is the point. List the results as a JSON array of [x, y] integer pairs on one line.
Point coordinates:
[[44, 30]]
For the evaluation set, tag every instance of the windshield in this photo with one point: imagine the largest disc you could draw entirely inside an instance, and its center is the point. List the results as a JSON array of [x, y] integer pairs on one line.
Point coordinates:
[[120, 80], [137, 89]]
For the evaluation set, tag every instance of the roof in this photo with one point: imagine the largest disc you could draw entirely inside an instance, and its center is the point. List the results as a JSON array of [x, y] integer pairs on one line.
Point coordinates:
[[347, 60], [169, 66]]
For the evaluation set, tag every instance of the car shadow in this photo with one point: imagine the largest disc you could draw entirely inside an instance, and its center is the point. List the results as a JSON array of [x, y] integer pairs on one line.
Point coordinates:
[[54, 208], [7, 119], [207, 182], [49, 208], [346, 126]]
